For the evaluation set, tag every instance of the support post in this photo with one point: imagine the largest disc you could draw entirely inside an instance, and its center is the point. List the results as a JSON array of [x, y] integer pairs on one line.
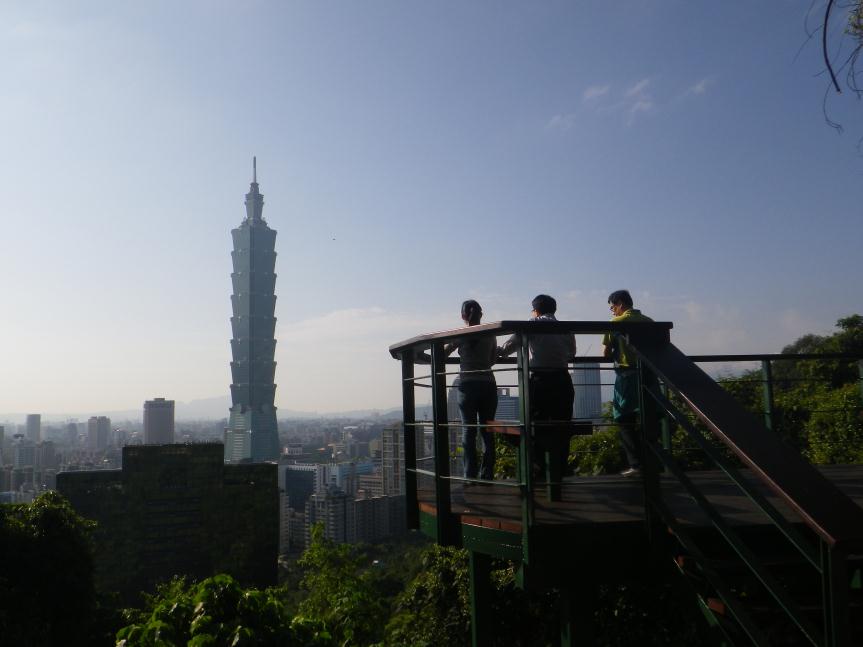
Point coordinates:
[[649, 431], [834, 573], [440, 427], [860, 371], [665, 423], [576, 616], [409, 441], [767, 376], [480, 599], [525, 448]]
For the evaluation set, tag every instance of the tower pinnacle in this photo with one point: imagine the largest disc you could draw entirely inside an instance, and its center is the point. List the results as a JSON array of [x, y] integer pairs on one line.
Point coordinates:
[[254, 199]]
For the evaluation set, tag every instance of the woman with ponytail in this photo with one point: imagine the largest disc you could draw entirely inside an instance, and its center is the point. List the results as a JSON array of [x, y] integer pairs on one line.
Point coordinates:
[[477, 393]]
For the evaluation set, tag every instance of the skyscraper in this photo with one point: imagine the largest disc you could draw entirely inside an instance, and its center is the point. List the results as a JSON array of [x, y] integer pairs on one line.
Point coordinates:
[[34, 427], [158, 422], [98, 430], [253, 325], [588, 392]]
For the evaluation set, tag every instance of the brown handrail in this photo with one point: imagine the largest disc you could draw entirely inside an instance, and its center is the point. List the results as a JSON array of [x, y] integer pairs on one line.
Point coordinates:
[[822, 505], [658, 330]]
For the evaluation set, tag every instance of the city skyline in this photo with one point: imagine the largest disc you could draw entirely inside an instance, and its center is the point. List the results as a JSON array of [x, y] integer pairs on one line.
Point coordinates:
[[413, 156]]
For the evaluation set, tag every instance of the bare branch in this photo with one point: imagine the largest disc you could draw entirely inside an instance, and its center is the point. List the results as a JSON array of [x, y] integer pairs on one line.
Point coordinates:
[[825, 54]]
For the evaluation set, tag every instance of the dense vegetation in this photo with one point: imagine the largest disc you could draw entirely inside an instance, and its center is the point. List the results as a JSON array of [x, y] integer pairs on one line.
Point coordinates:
[[47, 596]]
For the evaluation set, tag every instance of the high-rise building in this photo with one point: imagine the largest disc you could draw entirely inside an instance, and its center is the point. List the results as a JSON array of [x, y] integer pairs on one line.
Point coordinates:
[[300, 481], [24, 452], [159, 422], [507, 405], [72, 433], [253, 325], [588, 392], [332, 508], [34, 427], [393, 460], [178, 510], [99, 430]]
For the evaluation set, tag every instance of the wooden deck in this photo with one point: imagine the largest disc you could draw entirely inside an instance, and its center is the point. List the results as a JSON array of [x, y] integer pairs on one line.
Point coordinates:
[[618, 501]]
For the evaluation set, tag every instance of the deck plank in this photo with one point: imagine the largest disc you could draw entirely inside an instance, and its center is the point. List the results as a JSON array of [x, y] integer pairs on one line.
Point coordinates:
[[612, 499]]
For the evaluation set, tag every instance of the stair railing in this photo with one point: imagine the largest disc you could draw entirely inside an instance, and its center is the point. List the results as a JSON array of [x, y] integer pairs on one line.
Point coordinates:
[[835, 520]]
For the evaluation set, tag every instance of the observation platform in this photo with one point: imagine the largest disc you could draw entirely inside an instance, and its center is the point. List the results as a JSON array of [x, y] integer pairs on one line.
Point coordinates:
[[770, 545]]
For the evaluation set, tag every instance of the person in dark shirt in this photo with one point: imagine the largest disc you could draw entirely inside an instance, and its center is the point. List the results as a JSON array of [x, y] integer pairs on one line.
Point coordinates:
[[477, 393], [550, 387]]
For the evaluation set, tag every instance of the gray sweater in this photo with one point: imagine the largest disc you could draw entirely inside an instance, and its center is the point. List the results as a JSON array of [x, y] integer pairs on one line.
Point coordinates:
[[477, 357], [546, 351]]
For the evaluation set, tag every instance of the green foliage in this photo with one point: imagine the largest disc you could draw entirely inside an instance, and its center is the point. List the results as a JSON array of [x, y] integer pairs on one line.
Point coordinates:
[[506, 458], [216, 611], [599, 453], [434, 608], [855, 21], [816, 403], [47, 595], [341, 594]]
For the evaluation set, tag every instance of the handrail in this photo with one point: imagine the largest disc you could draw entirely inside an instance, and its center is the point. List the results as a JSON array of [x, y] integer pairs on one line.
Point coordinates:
[[774, 356], [821, 505], [643, 329]]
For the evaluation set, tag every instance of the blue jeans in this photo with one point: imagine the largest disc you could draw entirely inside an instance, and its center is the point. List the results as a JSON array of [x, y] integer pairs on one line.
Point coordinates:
[[477, 403]]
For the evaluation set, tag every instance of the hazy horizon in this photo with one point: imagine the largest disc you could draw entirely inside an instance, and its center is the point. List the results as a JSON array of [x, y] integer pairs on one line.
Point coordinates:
[[410, 156]]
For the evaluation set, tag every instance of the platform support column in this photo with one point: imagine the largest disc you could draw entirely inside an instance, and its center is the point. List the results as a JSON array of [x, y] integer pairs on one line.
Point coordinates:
[[860, 371], [650, 435], [577, 626], [409, 436], [767, 376], [446, 527], [480, 599]]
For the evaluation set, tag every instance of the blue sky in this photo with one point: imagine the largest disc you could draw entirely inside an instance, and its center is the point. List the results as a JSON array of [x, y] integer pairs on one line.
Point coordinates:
[[411, 155]]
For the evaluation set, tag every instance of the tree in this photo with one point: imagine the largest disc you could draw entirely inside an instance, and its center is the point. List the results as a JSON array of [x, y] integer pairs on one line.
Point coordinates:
[[840, 62], [47, 591], [341, 594], [817, 403], [214, 612]]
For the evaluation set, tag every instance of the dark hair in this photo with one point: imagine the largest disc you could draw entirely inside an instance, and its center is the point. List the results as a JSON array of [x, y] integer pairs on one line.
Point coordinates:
[[544, 304], [471, 312], [620, 297]]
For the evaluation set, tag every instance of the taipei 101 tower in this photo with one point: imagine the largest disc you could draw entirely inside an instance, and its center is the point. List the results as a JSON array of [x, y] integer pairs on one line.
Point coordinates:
[[252, 432]]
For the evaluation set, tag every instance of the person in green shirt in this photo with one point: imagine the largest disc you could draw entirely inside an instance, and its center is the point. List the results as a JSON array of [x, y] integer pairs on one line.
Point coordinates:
[[625, 405]]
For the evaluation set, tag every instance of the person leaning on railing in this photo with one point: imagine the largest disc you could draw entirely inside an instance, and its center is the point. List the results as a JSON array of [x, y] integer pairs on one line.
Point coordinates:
[[550, 385], [477, 393], [625, 407]]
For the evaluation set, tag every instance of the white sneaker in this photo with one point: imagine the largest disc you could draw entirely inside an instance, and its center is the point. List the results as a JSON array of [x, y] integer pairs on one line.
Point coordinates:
[[632, 471]]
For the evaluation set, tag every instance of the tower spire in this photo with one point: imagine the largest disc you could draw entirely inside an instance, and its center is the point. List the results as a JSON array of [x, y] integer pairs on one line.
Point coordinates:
[[254, 199]]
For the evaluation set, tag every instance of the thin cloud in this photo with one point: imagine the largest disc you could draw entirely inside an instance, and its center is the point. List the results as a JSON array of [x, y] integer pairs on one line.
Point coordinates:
[[641, 105], [700, 87], [639, 88], [562, 122], [594, 92]]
